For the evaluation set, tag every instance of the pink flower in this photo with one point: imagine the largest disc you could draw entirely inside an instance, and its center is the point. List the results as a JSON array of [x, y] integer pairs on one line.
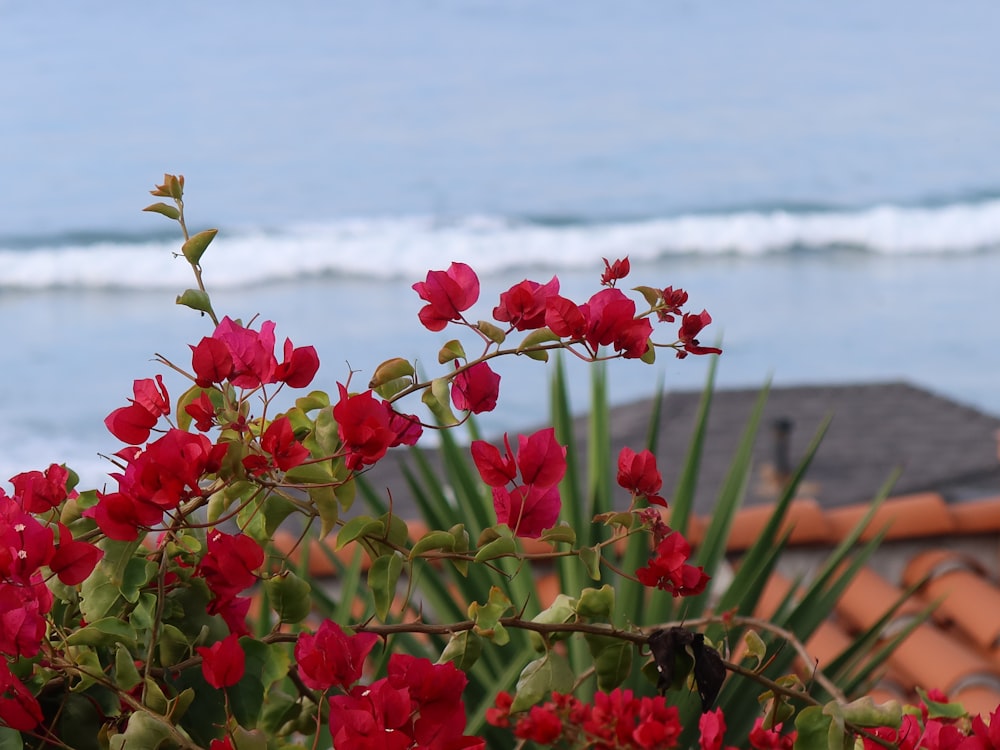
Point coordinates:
[[223, 663], [476, 389], [448, 294]]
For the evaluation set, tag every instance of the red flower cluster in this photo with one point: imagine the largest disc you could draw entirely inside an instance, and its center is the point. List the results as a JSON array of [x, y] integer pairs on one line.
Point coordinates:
[[156, 480], [668, 569], [368, 428], [638, 474], [246, 358], [331, 658], [416, 705], [228, 567], [278, 442], [926, 733], [608, 318], [533, 505], [476, 389], [26, 547], [615, 721]]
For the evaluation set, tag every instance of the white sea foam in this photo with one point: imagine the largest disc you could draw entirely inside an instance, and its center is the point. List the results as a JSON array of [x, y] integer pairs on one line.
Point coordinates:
[[408, 246]]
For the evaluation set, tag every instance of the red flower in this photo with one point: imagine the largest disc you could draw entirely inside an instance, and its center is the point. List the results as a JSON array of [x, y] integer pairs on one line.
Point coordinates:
[[770, 739], [211, 361], [534, 506], [614, 271], [476, 389], [528, 510], [228, 567], [74, 561], [448, 294], [524, 304], [436, 689], [202, 410], [23, 606], [565, 318], [672, 299], [279, 442], [299, 366], [132, 424], [611, 320], [638, 474], [376, 717], [712, 725], [224, 662], [668, 569], [499, 715], [364, 428], [18, 708], [252, 352], [691, 326], [541, 725], [120, 516], [331, 657], [40, 492]]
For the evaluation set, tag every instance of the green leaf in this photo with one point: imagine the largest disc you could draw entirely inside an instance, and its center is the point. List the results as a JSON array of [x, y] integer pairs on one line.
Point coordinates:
[[195, 247], [536, 338], [755, 648], [613, 664], [105, 632], [164, 209], [492, 332], [438, 399], [500, 547], [358, 527], [126, 675], [463, 650], [591, 559], [173, 646], [10, 739], [597, 604], [451, 351], [138, 572], [539, 679], [433, 541], [265, 665], [196, 300], [382, 579], [99, 595], [392, 369], [562, 610], [562, 532], [142, 731], [290, 597], [327, 432], [865, 712], [813, 727], [938, 710], [651, 295], [487, 616]]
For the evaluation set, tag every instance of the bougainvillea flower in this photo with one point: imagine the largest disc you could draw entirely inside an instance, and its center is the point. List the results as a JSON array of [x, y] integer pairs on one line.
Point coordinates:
[[495, 470], [74, 560], [332, 658], [364, 427], [712, 726], [447, 294], [132, 424], [202, 411], [120, 516], [476, 389], [607, 313], [40, 492], [669, 570], [673, 300], [373, 717], [279, 442], [565, 318], [691, 326], [437, 690], [524, 304], [252, 351], [224, 662], [405, 427], [633, 338], [540, 726], [540, 458], [614, 271], [23, 606], [19, 709], [771, 739], [299, 366], [527, 509], [211, 361], [230, 563], [638, 474]]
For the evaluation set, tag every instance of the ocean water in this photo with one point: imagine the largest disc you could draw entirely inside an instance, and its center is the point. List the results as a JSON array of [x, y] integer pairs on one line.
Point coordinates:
[[823, 179]]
